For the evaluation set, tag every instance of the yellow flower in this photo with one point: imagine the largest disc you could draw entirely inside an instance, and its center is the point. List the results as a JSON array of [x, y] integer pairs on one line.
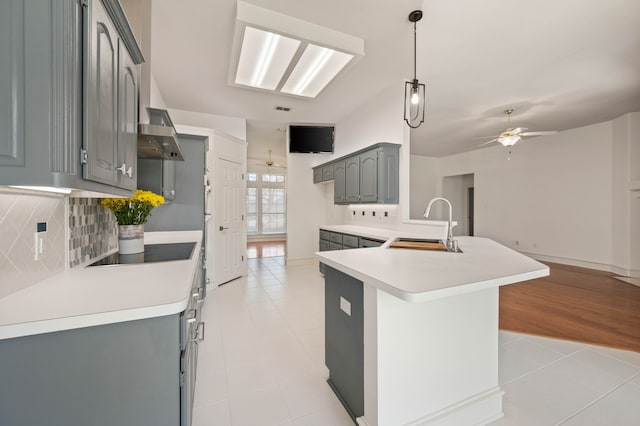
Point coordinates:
[[134, 210]]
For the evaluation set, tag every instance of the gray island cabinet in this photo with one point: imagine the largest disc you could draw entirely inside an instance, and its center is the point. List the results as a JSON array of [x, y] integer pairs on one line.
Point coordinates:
[[69, 80]]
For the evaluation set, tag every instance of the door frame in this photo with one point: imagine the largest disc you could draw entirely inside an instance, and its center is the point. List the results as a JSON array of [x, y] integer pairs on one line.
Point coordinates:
[[227, 147]]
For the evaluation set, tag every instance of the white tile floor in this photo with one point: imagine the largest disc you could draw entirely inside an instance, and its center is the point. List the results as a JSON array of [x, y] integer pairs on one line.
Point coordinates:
[[262, 363]]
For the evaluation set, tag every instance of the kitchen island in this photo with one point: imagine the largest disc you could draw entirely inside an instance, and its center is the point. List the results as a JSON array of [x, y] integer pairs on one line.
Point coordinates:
[[418, 331]]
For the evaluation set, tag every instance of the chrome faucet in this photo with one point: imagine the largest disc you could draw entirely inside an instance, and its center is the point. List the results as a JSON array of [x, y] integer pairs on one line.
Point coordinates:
[[452, 245]]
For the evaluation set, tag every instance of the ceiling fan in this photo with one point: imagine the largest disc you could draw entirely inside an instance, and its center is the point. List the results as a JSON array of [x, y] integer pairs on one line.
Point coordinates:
[[270, 163], [510, 136]]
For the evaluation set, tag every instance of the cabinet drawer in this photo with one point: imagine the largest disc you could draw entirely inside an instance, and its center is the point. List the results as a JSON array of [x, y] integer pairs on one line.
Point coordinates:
[[324, 245], [336, 238], [335, 246], [325, 235], [350, 241]]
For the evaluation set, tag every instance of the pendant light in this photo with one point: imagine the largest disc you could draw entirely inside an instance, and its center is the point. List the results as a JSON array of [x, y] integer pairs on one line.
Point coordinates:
[[414, 92]]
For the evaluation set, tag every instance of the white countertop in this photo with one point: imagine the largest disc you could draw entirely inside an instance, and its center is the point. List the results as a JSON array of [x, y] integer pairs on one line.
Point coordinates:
[[420, 275], [84, 297]]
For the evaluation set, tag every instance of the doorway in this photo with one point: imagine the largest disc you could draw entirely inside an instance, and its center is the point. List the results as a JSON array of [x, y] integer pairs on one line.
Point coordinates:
[[459, 190], [229, 221]]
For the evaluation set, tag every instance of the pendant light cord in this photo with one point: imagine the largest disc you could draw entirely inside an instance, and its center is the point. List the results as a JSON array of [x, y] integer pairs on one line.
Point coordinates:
[[415, 52]]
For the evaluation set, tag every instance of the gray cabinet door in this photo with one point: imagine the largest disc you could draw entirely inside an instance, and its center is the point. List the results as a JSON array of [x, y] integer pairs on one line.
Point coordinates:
[[327, 173], [388, 174], [369, 176], [127, 119], [339, 183], [12, 83], [344, 339], [352, 181], [101, 96]]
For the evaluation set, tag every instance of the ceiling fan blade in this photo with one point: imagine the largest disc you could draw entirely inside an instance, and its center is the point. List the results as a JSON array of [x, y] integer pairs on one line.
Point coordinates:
[[484, 137], [488, 142], [518, 130], [540, 133]]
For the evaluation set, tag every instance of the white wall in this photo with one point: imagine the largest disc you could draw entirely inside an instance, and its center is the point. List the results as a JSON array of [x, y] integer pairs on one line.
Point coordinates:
[[310, 205], [552, 198], [423, 182], [233, 126]]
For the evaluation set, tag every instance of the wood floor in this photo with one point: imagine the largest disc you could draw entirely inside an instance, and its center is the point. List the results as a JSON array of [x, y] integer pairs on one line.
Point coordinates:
[[575, 304]]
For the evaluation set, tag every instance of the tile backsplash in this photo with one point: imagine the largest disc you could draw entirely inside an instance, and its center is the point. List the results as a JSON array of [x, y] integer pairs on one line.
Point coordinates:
[[77, 230], [19, 216], [93, 230]]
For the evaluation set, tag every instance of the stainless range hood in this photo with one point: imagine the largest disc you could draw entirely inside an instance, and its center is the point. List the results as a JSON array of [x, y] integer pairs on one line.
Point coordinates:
[[158, 138]]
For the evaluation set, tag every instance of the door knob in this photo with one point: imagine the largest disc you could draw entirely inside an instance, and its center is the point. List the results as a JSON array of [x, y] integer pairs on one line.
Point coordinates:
[[222, 228]]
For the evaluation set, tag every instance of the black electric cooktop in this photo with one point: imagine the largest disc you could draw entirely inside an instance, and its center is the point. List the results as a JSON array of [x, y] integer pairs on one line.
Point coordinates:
[[152, 253]]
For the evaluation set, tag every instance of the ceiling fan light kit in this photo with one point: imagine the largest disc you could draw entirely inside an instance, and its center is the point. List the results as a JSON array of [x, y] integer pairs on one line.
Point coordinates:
[[510, 136], [414, 91]]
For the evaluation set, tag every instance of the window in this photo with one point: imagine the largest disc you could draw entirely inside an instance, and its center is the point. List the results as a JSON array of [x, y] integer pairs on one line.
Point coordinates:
[[266, 204]]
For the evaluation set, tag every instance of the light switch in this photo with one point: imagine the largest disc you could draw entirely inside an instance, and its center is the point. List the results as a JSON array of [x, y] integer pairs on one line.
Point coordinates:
[[39, 243], [345, 305]]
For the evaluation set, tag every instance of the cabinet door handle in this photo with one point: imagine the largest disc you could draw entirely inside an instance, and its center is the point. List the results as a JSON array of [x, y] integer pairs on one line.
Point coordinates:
[[129, 171], [123, 168], [192, 316], [222, 228], [198, 333]]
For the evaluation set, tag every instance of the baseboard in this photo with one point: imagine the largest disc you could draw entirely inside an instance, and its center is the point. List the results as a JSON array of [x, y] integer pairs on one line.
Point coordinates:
[[301, 261], [480, 409], [571, 262], [266, 237]]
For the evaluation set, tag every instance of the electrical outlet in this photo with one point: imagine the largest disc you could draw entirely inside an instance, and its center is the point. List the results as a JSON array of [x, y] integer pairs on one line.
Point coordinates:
[[363, 213], [345, 305], [386, 214], [354, 212], [373, 213], [39, 242]]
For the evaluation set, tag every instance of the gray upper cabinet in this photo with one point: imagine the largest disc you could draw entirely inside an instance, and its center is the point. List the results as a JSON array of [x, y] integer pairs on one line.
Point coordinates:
[[370, 175], [111, 104], [127, 118], [352, 187], [317, 175], [101, 103], [64, 78], [339, 183], [327, 172]]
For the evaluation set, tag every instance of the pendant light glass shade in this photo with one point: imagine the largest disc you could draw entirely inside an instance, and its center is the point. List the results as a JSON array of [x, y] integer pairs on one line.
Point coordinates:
[[414, 91]]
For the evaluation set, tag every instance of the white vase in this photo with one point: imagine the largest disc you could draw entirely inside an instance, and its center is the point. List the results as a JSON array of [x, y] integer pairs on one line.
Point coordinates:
[[130, 239]]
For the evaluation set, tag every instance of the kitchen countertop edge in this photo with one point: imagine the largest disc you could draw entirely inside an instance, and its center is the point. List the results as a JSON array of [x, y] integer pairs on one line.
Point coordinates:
[[171, 300]]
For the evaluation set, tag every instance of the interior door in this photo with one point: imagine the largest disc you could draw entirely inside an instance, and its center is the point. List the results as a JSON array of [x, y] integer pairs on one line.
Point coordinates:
[[229, 221]]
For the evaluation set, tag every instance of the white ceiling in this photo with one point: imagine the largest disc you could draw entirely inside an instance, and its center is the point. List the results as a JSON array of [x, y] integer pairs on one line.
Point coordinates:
[[560, 63]]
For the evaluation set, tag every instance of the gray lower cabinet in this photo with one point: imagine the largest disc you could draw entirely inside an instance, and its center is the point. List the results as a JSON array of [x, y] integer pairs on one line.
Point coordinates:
[[118, 374], [344, 339], [330, 240], [50, 84]]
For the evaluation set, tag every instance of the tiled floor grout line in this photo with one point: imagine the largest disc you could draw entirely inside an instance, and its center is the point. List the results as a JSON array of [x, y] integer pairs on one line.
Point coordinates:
[[594, 348], [542, 366], [566, 419]]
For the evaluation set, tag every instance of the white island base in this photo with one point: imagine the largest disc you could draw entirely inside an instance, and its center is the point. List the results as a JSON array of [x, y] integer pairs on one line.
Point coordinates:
[[433, 362], [429, 330]]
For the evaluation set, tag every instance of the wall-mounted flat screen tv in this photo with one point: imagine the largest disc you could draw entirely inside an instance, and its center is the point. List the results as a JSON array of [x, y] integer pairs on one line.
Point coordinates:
[[310, 139]]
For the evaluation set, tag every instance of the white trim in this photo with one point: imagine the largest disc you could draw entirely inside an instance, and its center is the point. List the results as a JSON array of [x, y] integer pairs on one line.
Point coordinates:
[[464, 411], [361, 421], [583, 264]]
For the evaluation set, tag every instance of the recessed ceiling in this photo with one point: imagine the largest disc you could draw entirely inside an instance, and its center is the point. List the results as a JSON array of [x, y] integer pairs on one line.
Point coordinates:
[[279, 53], [559, 64]]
